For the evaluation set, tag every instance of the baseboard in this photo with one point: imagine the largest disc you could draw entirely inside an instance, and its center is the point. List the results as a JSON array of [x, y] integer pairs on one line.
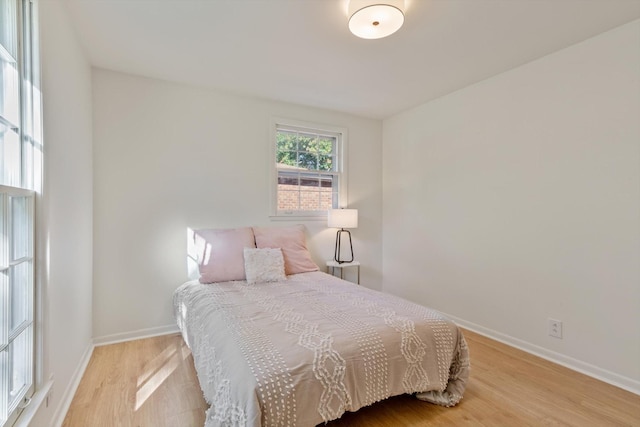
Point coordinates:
[[65, 402], [135, 335], [604, 375]]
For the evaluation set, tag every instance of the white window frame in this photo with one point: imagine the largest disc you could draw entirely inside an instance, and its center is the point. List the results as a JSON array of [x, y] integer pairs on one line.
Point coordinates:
[[14, 407], [23, 180], [341, 169]]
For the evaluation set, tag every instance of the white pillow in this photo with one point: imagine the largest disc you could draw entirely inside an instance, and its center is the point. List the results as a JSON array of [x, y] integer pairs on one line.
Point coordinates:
[[264, 265]]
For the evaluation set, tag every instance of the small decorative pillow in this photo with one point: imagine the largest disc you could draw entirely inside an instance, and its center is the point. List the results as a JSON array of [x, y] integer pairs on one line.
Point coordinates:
[[291, 240], [264, 265]]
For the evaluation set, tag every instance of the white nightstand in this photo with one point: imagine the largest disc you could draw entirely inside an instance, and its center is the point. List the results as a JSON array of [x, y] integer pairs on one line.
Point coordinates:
[[341, 266]]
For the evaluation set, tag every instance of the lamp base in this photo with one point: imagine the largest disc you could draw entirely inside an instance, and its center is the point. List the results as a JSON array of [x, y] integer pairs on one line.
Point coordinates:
[[336, 254]]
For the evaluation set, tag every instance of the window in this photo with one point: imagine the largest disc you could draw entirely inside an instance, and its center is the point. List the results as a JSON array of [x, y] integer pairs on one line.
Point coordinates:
[[20, 163], [309, 173], [16, 298]]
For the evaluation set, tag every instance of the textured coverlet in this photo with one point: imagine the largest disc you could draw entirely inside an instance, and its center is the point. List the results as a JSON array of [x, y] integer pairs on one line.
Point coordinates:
[[305, 350]]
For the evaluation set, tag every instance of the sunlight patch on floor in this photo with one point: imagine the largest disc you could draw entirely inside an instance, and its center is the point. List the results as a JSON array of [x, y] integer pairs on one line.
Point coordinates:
[[157, 371]]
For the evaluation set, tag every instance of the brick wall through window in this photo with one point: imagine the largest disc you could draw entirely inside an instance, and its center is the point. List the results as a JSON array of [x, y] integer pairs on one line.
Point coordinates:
[[290, 195]]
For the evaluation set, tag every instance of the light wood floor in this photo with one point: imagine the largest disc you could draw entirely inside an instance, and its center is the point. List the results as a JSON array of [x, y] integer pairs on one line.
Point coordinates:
[[152, 383]]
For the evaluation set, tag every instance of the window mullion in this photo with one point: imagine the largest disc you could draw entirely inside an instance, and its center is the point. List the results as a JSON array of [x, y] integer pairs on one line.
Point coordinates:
[[19, 329], [298, 203], [8, 124]]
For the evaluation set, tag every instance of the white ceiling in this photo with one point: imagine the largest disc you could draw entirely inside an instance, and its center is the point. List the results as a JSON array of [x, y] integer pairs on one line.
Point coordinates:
[[301, 51]]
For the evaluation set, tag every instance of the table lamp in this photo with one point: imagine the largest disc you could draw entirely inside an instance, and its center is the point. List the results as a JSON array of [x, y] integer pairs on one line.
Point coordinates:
[[342, 218]]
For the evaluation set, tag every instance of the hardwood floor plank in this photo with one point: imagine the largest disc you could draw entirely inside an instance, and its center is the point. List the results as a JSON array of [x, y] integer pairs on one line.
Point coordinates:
[[152, 383]]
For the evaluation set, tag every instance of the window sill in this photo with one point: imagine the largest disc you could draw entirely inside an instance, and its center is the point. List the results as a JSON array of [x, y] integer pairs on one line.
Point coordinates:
[[24, 420]]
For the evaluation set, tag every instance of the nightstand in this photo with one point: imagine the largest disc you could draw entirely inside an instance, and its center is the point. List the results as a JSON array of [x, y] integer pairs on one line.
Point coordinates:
[[341, 266]]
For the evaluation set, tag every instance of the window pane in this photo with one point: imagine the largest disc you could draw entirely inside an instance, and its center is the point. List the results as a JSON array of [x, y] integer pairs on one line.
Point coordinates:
[[326, 145], [288, 200], [19, 366], [9, 29], [308, 160], [288, 158], [19, 289], [309, 200], [9, 156], [286, 141], [9, 92], [20, 229], [325, 163], [306, 141], [326, 199]]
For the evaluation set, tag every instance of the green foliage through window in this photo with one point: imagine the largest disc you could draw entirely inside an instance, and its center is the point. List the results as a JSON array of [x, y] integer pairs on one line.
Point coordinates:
[[305, 150]]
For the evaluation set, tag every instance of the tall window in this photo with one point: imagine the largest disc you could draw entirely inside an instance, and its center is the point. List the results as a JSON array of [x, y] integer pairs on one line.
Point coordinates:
[[16, 285], [310, 175], [20, 157]]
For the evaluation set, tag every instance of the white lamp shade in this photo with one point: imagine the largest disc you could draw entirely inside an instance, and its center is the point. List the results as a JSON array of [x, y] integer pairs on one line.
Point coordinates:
[[343, 218], [375, 19]]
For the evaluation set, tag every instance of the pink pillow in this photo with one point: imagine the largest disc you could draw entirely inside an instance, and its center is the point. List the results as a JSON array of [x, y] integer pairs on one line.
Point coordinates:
[[221, 253], [292, 242]]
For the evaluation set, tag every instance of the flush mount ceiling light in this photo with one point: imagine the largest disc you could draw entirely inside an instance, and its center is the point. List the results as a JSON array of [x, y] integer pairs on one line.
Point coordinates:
[[371, 19]]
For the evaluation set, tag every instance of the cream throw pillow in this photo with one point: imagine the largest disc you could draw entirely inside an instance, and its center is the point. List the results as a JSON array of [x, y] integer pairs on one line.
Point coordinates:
[[264, 265]]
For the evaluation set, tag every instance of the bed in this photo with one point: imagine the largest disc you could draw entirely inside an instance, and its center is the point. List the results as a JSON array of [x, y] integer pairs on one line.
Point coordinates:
[[303, 349]]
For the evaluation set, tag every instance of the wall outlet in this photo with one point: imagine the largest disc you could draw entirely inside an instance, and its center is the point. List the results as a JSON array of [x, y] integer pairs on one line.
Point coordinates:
[[555, 328]]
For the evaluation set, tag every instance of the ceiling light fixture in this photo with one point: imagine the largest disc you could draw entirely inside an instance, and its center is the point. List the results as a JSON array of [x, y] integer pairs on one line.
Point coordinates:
[[372, 19]]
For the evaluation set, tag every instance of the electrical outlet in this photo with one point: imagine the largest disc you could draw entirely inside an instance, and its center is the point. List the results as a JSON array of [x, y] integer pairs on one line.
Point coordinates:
[[555, 328]]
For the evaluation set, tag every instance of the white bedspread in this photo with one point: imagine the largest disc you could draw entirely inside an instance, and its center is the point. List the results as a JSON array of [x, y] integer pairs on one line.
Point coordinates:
[[304, 351]]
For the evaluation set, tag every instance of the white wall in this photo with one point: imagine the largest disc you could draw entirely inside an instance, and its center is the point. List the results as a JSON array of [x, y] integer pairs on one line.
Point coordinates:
[[66, 85], [169, 156], [517, 199]]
